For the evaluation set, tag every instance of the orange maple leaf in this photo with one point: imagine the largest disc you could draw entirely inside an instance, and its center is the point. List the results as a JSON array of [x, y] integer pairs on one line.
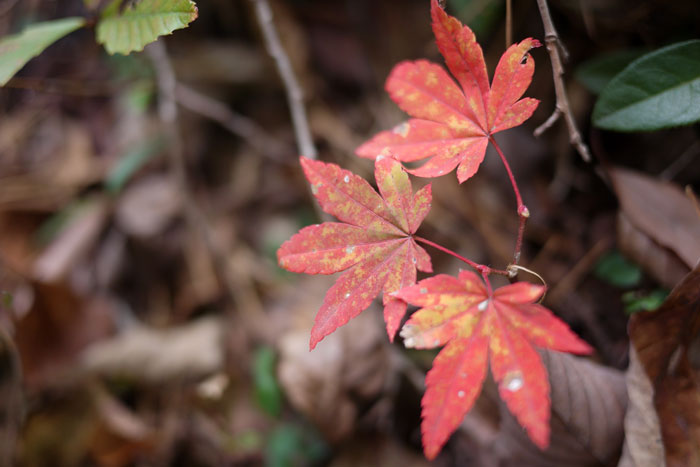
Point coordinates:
[[452, 126], [473, 322], [374, 244]]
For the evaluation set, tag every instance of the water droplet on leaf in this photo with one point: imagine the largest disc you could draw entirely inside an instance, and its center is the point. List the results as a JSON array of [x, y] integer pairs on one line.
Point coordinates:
[[513, 381]]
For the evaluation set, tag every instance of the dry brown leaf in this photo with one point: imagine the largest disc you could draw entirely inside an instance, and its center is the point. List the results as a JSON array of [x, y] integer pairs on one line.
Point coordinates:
[[120, 437], [660, 263], [588, 408], [11, 399], [56, 329], [159, 356], [73, 242], [643, 445], [325, 383], [148, 206], [661, 210], [666, 342], [378, 451]]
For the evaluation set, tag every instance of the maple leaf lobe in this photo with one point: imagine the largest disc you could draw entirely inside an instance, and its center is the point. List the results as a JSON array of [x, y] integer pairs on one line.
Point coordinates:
[[373, 246], [452, 124], [503, 326]]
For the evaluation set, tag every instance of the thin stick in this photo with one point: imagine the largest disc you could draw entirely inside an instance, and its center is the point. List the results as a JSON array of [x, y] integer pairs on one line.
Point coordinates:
[[256, 136], [197, 221], [509, 23], [482, 268], [523, 211], [551, 39], [295, 96]]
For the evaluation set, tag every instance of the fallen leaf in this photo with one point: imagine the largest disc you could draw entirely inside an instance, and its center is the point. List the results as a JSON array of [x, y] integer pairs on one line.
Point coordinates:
[[657, 261], [148, 206], [588, 410], [156, 356], [374, 243], [661, 210], [73, 242], [643, 444], [666, 342], [452, 126], [59, 325], [348, 366], [473, 323]]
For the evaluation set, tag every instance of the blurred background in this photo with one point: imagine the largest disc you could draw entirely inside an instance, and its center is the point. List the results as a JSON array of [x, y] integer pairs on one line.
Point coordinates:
[[143, 318]]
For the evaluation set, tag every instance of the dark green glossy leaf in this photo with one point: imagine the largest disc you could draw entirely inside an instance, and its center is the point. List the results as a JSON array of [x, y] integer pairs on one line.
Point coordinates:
[[597, 72], [659, 90]]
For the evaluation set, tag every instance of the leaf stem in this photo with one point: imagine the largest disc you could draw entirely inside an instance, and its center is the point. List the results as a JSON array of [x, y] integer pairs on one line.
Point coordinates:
[[482, 268], [488, 284], [523, 212]]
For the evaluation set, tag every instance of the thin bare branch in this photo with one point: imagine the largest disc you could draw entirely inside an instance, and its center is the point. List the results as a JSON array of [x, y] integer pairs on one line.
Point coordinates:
[[196, 219], [562, 107], [239, 125], [295, 96], [509, 23]]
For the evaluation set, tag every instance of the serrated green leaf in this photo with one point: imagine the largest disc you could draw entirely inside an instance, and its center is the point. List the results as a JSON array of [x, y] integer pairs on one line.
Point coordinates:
[[18, 49], [659, 90], [597, 72], [142, 23]]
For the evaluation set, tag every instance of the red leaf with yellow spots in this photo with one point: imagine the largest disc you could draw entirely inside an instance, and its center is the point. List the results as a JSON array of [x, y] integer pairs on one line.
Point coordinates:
[[374, 244], [474, 323], [452, 124]]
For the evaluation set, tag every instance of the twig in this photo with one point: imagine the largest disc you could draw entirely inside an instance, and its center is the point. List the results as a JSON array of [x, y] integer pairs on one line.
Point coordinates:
[[241, 126], [295, 96], [551, 39], [509, 23], [167, 109]]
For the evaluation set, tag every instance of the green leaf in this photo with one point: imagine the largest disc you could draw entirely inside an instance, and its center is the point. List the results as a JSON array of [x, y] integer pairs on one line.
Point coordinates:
[[614, 269], [597, 72], [290, 445], [636, 301], [17, 50], [131, 162], [6, 299], [267, 391], [659, 90], [142, 23]]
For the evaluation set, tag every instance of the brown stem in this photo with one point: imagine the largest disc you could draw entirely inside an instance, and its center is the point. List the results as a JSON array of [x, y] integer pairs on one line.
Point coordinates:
[[551, 39]]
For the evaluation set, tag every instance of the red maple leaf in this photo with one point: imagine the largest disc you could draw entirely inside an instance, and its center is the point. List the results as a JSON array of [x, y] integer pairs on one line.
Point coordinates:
[[474, 323], [374, 243], [452, 127]]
